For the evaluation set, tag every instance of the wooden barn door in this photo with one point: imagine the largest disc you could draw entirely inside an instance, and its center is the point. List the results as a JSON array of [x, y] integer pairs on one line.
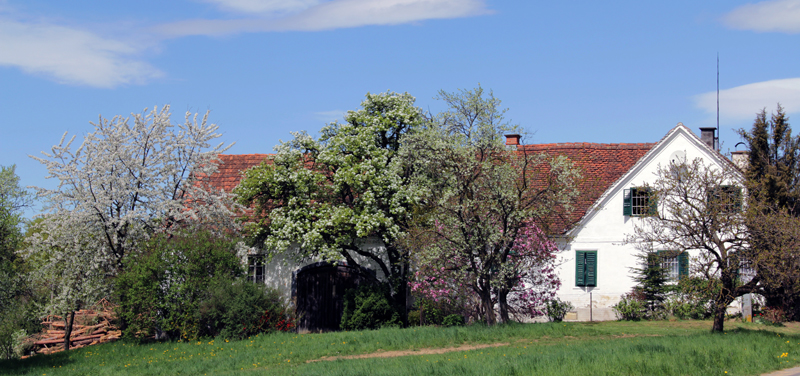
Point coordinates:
[[320, 295]]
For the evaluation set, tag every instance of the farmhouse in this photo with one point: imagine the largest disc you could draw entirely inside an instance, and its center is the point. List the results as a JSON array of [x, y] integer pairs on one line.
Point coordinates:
[[596, 260]]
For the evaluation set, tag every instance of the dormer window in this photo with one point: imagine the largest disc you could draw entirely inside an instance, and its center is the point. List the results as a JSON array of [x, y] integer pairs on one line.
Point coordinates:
[[639, 202]]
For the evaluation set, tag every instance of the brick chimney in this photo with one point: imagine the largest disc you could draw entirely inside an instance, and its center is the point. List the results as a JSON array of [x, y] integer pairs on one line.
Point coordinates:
[[512, 140], [708, 135]]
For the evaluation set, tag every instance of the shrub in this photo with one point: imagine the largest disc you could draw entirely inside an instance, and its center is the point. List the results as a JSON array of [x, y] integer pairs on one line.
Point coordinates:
[[691, 298], [159, 294], [430, 312], [413, 318], [239, 309], [773, 316], [453, 320], [629, 308], [368, 307], [556, 309]]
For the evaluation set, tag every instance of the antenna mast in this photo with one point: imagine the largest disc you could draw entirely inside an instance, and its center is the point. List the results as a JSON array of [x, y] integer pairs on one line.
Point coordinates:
[[716, 141]]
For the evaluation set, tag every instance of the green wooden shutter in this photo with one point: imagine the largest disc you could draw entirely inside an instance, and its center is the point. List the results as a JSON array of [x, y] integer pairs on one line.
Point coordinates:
[[626, 202], [591, 268], [683, 265], [652, 202], [737, 197], [580, 268]]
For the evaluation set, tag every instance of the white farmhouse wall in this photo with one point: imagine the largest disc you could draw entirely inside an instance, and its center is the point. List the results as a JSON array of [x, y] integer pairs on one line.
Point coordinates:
[[604, 229]]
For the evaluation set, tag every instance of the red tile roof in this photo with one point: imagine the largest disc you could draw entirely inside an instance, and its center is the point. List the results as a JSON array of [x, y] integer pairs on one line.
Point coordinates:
[[601, 164], [232, 166]]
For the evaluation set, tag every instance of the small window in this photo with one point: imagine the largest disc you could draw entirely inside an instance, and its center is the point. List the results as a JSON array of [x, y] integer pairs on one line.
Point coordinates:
[[675, 264], [256, 268], [639, 202], [727, 198], [586, 268]]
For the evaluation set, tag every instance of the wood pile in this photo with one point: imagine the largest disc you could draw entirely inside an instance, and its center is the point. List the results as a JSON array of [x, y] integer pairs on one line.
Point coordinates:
[[90, 327]]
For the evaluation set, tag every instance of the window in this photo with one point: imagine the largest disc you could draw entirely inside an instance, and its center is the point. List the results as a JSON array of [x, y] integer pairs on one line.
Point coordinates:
[[639, 202], [728, 198], [586, 268], [675, 264], [256, 268]]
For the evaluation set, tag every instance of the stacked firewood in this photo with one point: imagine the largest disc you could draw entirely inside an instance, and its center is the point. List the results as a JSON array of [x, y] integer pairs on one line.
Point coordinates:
[[90, 327]]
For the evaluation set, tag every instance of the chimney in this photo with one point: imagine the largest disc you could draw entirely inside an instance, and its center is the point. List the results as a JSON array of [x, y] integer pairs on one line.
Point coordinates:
[[708, 135], [741, 159], [512, 140]]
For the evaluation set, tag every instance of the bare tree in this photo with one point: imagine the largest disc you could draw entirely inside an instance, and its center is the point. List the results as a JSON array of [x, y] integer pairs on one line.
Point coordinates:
[[700, 210]]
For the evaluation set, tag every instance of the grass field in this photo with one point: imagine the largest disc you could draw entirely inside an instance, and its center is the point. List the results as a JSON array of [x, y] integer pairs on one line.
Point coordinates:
[[607, 348]]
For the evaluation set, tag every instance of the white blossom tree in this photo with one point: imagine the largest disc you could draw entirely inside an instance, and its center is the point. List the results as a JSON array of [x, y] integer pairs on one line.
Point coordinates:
[[130, 178]]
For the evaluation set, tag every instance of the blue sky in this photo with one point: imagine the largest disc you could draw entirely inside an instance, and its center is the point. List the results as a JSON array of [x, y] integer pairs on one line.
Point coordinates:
[[569, 71]]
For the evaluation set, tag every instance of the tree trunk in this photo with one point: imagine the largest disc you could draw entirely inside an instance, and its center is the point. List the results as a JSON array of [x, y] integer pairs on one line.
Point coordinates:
[[488, 307], [719, 318], [502, 300], [70, 318]]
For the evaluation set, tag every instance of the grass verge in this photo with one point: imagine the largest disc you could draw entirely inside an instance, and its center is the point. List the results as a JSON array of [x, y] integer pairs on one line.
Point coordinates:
[[608, 348]]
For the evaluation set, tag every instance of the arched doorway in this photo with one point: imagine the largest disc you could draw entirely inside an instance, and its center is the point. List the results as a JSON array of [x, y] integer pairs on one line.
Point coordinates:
[[319, 293]]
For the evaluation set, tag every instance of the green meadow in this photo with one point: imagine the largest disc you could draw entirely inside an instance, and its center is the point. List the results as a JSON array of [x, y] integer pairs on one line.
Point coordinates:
[[606, 348]]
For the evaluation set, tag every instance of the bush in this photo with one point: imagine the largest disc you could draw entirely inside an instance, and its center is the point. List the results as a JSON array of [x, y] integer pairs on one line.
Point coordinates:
[[240, 309], [556, 309], [691, 299], [160, 292], [431, 312], [453, 320], [629, 308], [771, 316], [368, 307], [413, 318]]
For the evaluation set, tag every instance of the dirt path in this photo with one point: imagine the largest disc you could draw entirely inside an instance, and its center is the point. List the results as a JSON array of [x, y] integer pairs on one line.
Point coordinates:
[[392, 354]]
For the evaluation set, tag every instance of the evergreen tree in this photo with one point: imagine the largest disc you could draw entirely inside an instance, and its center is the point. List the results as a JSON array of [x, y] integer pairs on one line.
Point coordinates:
[[651, 280], [773, 184]]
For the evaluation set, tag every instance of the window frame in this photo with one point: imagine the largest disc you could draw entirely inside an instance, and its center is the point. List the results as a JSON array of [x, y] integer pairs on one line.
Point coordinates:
[[728, 192], [256, 268], [679, 259], [633, 206]]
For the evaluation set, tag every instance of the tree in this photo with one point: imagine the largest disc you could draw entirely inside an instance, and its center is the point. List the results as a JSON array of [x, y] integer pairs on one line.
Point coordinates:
[[700, 209], [773, 185], [124, 183], [651, 281], [13, 290], [321, 198], [485, 209]]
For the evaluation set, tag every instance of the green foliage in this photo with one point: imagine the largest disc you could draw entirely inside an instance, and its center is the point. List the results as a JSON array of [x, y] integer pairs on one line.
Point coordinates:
[[692, 298], [556, 309], [453, 320], [630, 308], [240, 309], [161, 292], [651, 279], [369, 307]]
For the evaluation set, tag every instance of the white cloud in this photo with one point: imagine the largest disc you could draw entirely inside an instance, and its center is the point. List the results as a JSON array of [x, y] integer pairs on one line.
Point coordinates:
[[70, 55], [743, 102], [330, 116], [335, 15], [264, 6], [776, 15]]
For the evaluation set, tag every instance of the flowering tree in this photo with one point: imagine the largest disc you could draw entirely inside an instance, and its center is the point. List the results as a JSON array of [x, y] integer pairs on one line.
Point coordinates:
[[478, 202], [126, 181], [527, 277], [321, 198]]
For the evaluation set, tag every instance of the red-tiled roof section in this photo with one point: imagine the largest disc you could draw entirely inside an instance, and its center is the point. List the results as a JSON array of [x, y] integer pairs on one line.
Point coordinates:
[[231, 168], [602, 165]]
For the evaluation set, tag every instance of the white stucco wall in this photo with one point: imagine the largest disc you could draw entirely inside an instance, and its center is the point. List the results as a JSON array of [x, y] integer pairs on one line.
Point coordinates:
[[605, 228]]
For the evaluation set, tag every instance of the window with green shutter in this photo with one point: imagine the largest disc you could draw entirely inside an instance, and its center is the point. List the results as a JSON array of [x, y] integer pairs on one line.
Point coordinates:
[[728, 198], [586, 268], [639, 202], [675, 264]]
